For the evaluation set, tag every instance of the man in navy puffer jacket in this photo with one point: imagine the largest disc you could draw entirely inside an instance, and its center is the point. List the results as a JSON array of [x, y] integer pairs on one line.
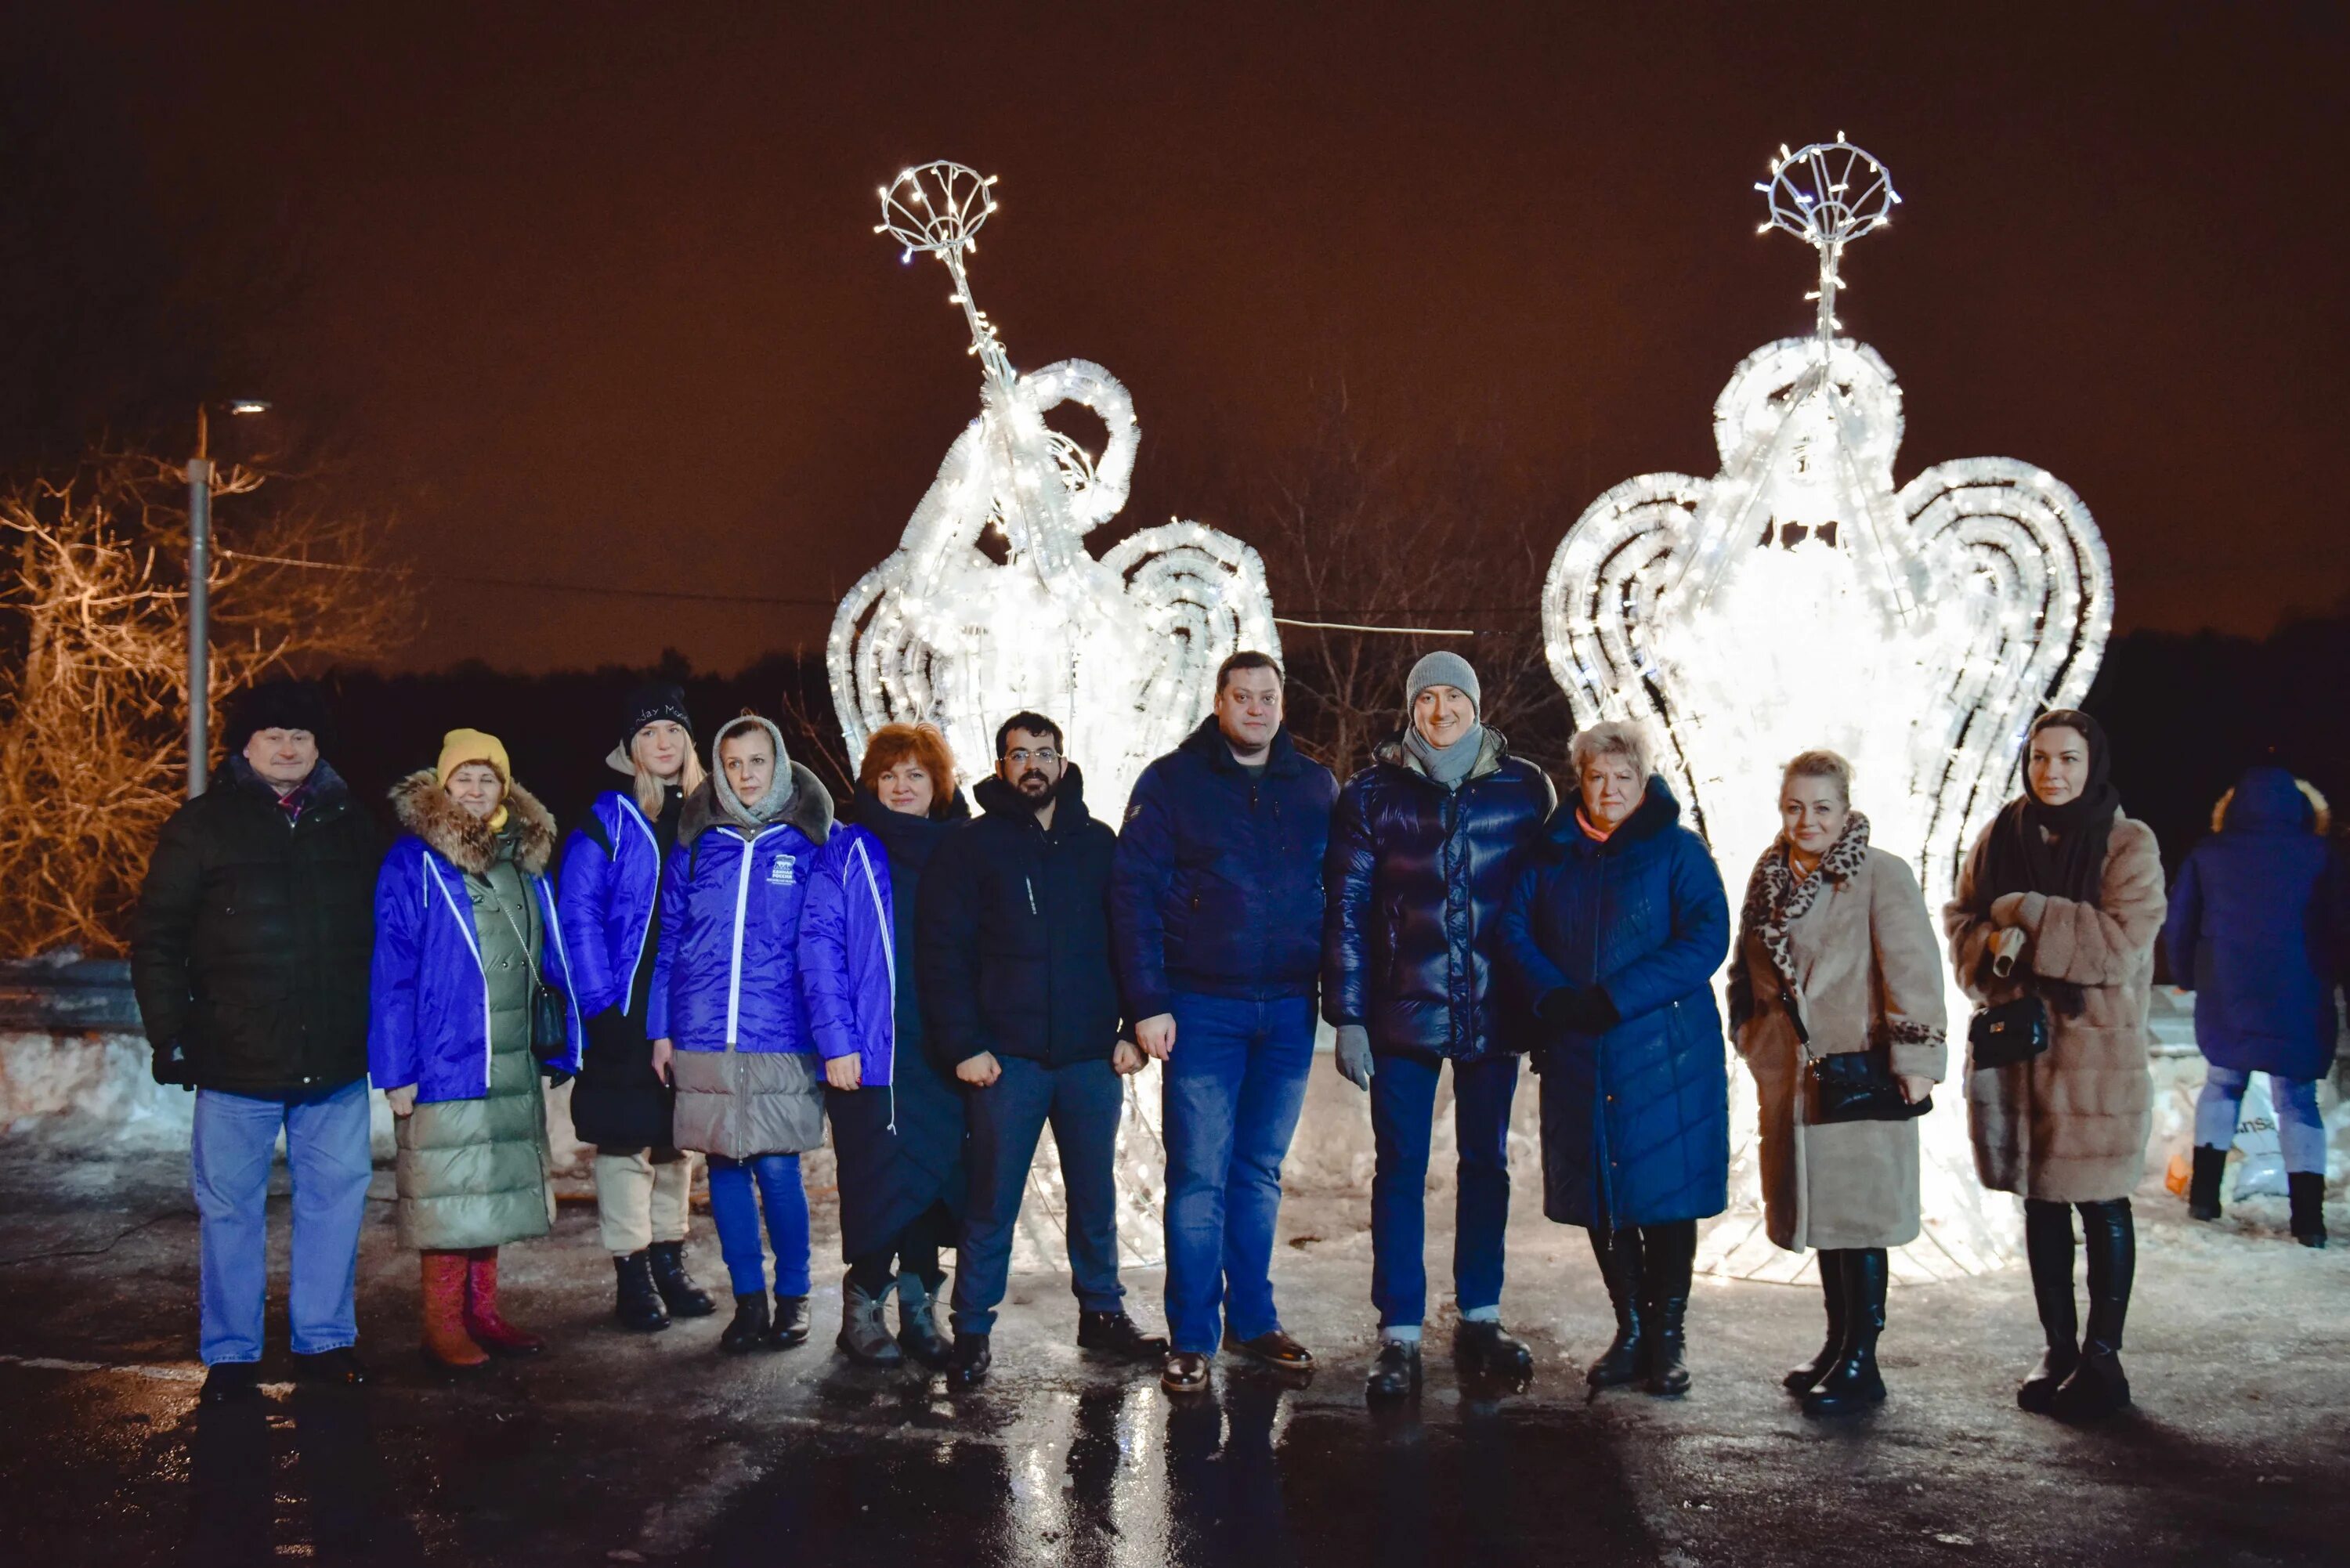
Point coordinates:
[[1216, 901], [1423, 847], [1020, 1004]]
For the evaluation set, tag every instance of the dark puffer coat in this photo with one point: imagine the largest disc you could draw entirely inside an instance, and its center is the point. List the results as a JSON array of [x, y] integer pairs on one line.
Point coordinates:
[[2255, 931], [1217, 889], [1636, 1121], [253, 934], [1415, 876], [1014, 956]]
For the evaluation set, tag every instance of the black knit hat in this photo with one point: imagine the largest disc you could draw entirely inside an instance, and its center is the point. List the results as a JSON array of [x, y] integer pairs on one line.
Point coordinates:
[[275, 705], [650, 705]]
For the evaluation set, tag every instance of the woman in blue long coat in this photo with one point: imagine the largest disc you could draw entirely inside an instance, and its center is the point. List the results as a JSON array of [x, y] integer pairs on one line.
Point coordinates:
[[1615, 928], [2255, 930], [897, 1120]]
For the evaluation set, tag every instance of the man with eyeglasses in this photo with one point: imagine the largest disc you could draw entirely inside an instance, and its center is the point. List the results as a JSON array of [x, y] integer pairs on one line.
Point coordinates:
[[1020, 1004], [1217, 903]]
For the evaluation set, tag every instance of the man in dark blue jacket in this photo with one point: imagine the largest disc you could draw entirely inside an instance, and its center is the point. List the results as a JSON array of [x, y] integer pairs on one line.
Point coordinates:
[[1216, 902], [1020, 1004]]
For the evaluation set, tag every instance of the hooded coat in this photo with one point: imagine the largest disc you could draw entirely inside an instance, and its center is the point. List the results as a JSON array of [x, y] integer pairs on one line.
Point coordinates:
[[899, 1134], [609, 911], [1415, 879], [2255, 930], [1217, 889], [725, 989], [251, 943], [1014, 923], [1636, 1119], [2070, 1124], [1847, 962], [464, 913]]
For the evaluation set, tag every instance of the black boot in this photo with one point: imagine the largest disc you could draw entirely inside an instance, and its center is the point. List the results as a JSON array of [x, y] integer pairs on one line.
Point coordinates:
[[1668, 1254], [2308, 1190], [864, 1338], [2048, 1248], [1852, 1381], [1626, 1359], [918, 1325], [968, 1366], [1395, 1371], [1484, 1349], [677, 1292], [749, 1331], [793, 1320], [2098, 1386], [1115, 1333], [638, 1308], [1804, 1379], [2203, 1187]]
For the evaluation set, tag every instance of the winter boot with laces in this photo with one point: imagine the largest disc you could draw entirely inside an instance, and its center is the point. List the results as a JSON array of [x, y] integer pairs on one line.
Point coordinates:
[[749, 1330], [638, 1308], [677, 1292]]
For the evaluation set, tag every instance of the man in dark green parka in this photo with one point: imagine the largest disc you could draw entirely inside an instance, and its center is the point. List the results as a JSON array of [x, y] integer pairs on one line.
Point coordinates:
[[249, 955]]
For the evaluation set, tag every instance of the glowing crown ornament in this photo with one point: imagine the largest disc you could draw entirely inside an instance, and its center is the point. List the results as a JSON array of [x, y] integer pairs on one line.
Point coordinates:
[[1122, 650], [1797, 599]]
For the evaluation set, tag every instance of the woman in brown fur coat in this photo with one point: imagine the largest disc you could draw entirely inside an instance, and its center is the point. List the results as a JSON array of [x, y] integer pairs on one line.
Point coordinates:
[[2061, 898], [1837, 954]]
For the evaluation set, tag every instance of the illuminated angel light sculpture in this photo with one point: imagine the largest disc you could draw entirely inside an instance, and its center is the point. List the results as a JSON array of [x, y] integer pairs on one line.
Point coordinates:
[[1121, 650], [1798, 599]]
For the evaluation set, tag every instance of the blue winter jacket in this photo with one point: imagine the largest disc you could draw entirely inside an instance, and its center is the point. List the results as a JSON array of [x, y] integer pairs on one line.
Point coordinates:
[[2255, 930], [428, 995], [1417, 875], [606, 900], [1636, 1121], [848, 955], [727, 972], [1216, 887]]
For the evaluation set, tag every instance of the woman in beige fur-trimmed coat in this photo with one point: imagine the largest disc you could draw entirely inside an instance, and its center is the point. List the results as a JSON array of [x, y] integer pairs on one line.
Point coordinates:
[[2061, 898], [1837, 954]]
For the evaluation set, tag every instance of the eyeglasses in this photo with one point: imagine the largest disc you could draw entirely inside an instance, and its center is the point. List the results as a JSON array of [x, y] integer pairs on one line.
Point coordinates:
[[1022, 756]]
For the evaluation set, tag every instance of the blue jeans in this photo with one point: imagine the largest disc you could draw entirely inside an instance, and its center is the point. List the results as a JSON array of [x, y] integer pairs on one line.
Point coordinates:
[[1234, 1087], [326, 1154], [2301, 1131], [735, 1213], [1403, 1118], [1084, 1102]]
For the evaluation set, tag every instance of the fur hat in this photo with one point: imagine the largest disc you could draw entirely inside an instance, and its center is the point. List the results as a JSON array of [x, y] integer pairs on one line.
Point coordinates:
[[275, 705]]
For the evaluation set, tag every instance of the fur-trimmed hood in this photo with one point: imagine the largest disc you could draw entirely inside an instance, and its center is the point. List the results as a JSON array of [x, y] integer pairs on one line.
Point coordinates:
[[423, 808]]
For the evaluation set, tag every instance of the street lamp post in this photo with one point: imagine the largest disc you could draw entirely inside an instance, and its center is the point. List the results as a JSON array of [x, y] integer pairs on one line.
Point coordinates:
[[200, 568]]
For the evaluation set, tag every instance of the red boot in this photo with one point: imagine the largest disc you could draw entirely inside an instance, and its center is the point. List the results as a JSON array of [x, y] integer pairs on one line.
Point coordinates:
[[445, 1339], [494, 1334]]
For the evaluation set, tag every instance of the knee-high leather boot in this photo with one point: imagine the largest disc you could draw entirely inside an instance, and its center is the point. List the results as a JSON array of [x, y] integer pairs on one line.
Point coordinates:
[[1804, 1379], [1854, 1382], [1667, 1255], [1626, 1359], [2048, 1247], [2098, 1386], [446, 1342]]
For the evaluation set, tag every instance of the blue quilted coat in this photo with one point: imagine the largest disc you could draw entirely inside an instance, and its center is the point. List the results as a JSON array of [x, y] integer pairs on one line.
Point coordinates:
[[1636, 1121]]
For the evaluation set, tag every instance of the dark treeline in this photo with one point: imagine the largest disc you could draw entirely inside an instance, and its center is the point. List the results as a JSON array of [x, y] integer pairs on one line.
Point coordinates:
[[2187, 713]]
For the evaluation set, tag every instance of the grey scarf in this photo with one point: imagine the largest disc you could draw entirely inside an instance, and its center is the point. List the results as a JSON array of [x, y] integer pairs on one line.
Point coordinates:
[[1447, 765]]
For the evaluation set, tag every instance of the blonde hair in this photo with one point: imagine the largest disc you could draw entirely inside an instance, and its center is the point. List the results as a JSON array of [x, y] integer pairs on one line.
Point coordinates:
[[1616, 738], [650, 786], [1819, 764]]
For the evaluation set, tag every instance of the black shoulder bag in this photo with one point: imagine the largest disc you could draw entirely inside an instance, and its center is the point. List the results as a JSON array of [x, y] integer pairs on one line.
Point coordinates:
[[2011, 1033], [1852, 1086]]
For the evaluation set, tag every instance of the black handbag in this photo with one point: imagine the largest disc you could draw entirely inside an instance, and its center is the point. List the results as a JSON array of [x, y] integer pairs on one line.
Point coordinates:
[[550, 1025], [2013, 1032], [1859, 1086]]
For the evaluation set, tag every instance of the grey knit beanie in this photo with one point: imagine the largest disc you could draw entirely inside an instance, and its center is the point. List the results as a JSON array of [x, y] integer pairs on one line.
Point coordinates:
[[1443, 669]]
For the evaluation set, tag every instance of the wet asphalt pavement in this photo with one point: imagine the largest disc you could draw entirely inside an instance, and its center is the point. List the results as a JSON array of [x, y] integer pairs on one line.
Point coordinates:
[[621, 1448]]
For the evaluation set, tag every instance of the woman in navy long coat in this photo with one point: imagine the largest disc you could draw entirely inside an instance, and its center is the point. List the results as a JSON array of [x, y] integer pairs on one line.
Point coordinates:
[[1615, 927], [2255, 930]]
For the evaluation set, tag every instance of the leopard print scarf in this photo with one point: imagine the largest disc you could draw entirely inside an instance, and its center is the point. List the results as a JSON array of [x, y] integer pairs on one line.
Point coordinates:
[[1776, 901]]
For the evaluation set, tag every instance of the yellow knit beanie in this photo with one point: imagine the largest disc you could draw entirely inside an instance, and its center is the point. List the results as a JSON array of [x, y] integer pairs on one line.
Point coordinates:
[[459, 747]]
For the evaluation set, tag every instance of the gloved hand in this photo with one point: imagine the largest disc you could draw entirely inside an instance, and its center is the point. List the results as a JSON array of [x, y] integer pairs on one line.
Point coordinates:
[[1591, 1011], [1554, 1004], [170, 1064], [1355, 1055]]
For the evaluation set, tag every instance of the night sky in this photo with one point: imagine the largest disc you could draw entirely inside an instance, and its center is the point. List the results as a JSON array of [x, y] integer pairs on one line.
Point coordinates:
[[591, 293]]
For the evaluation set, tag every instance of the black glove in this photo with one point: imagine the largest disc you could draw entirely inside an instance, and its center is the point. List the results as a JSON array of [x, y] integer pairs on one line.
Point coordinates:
[[1554, 1004], [170, 1064], [1590, 1010]]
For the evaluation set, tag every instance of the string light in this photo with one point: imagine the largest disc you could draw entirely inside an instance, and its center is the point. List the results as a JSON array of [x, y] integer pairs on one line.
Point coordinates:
[[1121, 650], [1798, 599]]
